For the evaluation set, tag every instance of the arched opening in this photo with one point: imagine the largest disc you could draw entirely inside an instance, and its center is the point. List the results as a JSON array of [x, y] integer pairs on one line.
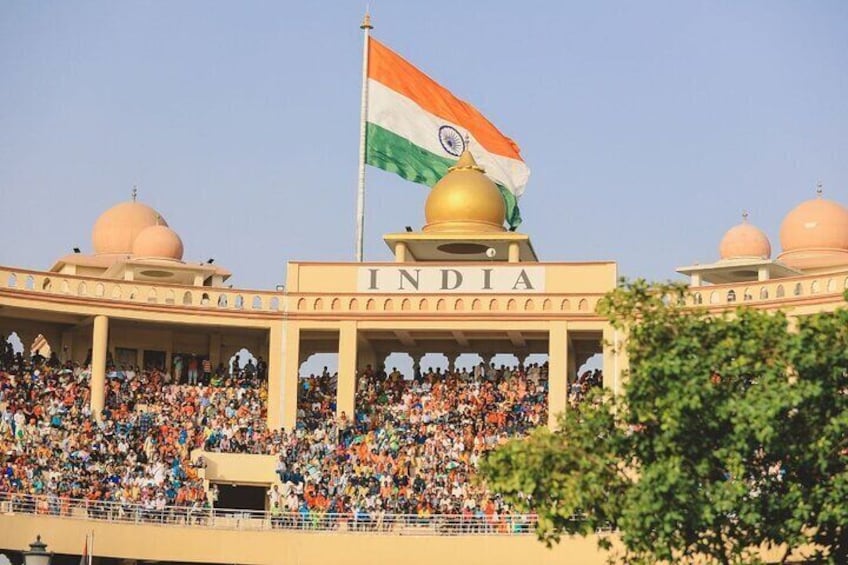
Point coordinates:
[[318, 381], [40, 350], [13, 344], [780, 292], [764, 293], [187, 298], [731, 296], [589, 376], [247, 369]]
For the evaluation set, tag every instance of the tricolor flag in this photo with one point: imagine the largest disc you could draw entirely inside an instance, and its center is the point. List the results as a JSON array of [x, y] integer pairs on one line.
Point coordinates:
[[417, 129]]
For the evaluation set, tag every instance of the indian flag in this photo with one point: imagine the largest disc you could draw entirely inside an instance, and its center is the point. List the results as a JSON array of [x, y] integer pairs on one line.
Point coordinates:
[[418, 129]]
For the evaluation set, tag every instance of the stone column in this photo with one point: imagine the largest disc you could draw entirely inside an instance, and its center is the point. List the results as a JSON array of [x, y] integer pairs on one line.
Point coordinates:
[[215, 350], [400, 252], [291, 373], [99, 338], [416, 363], [276, 375], [66, 351], [346, 393], [557, 371], [452, 357], [514, 252], [610, 366]]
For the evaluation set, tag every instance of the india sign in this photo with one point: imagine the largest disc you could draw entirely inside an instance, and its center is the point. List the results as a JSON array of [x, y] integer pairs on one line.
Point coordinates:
[[428, 280]]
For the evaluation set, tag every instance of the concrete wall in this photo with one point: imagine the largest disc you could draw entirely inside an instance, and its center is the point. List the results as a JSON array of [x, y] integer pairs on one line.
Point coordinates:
[[187, 544]]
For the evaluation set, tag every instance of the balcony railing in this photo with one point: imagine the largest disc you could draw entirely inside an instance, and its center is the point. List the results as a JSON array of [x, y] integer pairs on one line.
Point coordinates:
[[75, 286], [234, 519]]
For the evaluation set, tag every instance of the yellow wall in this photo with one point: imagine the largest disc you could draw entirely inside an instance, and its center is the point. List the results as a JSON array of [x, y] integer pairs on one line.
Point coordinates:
[[194, 544]]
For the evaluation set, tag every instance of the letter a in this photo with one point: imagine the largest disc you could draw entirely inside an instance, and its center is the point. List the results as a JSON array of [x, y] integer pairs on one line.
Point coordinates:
[[523, 279]]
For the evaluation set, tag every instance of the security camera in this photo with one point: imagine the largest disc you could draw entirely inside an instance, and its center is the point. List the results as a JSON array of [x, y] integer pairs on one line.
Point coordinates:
[[491, 252]]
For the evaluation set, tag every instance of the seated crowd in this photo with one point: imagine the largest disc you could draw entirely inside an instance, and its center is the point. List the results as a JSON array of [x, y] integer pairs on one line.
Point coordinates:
[[412, 447]]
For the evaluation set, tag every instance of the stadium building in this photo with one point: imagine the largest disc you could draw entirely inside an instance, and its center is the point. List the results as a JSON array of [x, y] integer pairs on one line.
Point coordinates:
[[98, 322]]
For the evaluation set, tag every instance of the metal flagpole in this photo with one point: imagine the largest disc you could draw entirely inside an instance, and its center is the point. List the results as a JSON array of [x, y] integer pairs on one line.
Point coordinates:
[[366, 27]]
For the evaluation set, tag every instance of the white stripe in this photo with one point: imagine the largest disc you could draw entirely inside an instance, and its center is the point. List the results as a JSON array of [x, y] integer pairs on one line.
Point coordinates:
[[404, 117]]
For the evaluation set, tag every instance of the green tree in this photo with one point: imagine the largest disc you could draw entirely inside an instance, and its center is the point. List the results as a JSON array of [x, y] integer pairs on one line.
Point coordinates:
[[730, 435]]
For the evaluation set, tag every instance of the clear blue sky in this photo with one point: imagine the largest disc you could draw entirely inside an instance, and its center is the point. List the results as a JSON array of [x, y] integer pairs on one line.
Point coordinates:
[[648, 125]]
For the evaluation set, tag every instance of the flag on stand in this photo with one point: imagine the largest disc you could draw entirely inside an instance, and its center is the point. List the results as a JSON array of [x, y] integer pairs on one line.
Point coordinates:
[[417, 129]]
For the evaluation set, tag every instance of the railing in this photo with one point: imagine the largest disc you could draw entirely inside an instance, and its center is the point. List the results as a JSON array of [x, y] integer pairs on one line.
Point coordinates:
[[76, 286], [232, 519], [763, 292]]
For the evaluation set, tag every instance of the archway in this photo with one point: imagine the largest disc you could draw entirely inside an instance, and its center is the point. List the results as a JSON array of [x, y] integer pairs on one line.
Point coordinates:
[[10, 348], [317, 385], [244, 365], [589, 376]]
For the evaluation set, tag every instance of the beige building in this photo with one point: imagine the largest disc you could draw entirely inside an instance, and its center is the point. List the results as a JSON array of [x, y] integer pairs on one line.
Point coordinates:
[[462, 284]]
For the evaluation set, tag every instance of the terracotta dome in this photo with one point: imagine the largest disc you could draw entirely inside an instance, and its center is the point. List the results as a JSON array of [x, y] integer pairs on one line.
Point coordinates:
[[465, 200], [116, 228], [744, 240], [158, 241], [815, 224]]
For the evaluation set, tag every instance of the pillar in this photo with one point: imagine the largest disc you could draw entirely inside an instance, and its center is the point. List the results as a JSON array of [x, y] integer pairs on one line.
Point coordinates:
[[452, 357], [514, 252], [610, 363], [276, 375], [139, 359], [215, 350], [66, 351], [99, 338], [416, 363], [763, 273], [345, 395], [400, 252], [291, 374], [557, 371]]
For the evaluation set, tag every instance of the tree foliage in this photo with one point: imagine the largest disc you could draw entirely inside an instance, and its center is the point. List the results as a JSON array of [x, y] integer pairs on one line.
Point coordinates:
[[730, 435]]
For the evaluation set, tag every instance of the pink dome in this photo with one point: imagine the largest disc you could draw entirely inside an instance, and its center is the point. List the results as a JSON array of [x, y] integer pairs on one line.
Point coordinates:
[[116, 228], [158, 241], [815, 224], [744, 240]]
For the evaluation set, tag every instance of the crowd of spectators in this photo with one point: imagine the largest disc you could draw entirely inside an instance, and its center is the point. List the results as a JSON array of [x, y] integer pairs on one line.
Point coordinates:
[[412, 447]]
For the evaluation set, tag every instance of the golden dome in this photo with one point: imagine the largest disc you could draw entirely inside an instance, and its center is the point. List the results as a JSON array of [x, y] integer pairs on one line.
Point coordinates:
[[744, 240], [815, 224], [465, 200], [116, 229], [158, 241]]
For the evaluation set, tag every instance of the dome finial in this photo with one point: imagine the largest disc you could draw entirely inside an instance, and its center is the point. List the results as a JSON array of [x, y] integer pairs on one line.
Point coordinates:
[[134, 193], [819, 189], [745, 216]]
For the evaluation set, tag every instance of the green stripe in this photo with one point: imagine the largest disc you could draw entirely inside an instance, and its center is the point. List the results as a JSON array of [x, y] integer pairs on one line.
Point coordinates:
[[388, 151]]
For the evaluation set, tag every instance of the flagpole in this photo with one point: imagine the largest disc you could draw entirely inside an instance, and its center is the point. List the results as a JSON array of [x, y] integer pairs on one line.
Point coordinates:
[[366, 27]]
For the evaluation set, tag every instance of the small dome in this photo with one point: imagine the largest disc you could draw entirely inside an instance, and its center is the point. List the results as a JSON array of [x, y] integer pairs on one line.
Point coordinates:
[[116, 228], [158, 241], [815, 224], [744, 240], [465, 200]]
